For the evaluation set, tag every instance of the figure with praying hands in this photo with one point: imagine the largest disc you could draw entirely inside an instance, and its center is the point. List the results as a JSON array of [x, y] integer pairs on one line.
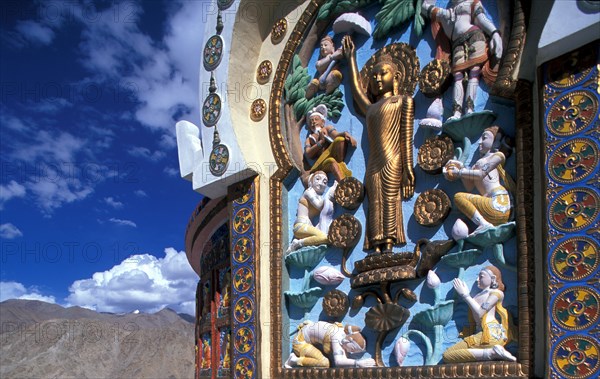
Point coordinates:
[[314, 203], [485, 336]]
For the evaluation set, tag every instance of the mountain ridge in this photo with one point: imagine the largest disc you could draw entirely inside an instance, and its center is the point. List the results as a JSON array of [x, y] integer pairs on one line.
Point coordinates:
[[42, 340]]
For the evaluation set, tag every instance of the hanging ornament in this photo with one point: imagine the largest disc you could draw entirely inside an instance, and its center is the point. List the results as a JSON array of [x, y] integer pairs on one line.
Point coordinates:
[[213, 52], [211, 108], [219, 156]]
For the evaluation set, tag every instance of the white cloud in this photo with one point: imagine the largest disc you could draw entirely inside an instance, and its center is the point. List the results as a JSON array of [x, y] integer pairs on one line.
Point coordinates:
[[35, 32], [163, 75], [49, 105], [57, 188], [49, 147], [171, 171], [49, 163], [160, 75], [10, 122], [9, 231], [11, 190], [141, 282], [168, 141], [16, 290], [145, 153], [141, 193], [119, 221], [113, 203]]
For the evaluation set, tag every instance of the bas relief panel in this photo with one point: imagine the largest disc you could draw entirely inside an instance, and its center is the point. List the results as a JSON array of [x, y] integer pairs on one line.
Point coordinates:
[[388, 263]]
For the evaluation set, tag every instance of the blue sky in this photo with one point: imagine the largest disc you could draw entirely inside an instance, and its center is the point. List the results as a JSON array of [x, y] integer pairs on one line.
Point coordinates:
[[93, 211]]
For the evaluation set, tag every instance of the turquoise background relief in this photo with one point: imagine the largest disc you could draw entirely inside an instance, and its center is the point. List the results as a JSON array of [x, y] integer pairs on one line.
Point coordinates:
[[350, 121]]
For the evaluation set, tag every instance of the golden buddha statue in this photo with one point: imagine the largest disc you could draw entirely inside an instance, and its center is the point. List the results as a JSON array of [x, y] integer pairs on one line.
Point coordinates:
[[389, 176]]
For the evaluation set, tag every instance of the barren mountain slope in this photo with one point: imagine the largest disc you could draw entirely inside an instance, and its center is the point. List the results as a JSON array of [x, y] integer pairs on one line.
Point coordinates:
[[79, 343]]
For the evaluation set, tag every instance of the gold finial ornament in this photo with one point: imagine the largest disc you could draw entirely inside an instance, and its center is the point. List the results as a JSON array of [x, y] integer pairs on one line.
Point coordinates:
[[278, 31], [335, 304], [263, 72], [349, 193], [258, 110], [432, 207], [435, 78], [435, 153]]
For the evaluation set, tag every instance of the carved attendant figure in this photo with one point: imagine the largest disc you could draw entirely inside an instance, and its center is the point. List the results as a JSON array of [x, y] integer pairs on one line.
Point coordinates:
[[206, 354], [226, 348], [488, 343], [326, 145], [329, 76], [312, 204], [334, 339], [206, 298], [389, 175], [225, 289], [466, 25], [493, 206]]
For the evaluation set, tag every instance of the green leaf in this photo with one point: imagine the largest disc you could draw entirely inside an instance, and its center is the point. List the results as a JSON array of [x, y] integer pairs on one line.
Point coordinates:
[[300, 108], [325, 10], [296, 82], [336, 7], [394, 13], [419, 21]]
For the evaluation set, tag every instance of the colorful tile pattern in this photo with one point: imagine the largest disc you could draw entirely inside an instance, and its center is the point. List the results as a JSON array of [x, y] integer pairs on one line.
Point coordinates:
[[243, 220], [577, 357], [575, 259], [572, 113], [211, 109], [242, 250], [574, 209], [573, 161], [244, 369], [243, 266], [218, 160], [244, 340], [571, 144], [213, 52], [243, 310], [576, 308], [243, 279]]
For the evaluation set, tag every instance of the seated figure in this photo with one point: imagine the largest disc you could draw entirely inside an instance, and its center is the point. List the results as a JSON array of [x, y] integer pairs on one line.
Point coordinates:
[[314, 202], [488, 343], [329, 77], [493, 206], [326, 145], [334, 339]]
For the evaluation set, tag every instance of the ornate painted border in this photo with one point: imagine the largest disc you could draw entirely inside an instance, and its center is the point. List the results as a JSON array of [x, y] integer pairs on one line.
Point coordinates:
[[569, 347], [245, 331], [524, 213]]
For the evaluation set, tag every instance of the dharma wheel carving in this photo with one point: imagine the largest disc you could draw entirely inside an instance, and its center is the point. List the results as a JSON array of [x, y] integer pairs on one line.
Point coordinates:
[[432, 207]]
